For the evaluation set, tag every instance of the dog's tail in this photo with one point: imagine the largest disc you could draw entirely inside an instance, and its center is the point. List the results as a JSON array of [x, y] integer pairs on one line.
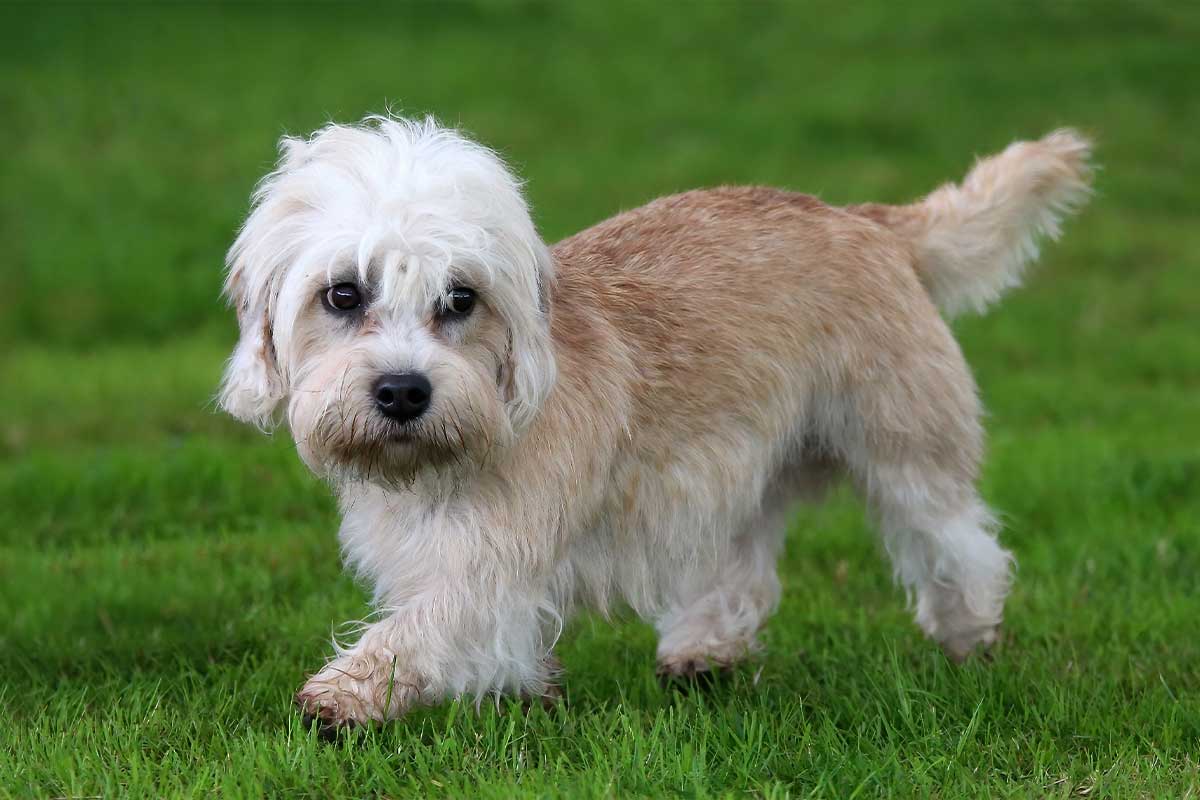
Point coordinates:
[[972, 241]]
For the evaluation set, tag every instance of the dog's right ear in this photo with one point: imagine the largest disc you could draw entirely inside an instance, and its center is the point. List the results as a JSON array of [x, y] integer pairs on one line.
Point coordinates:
[[252, 386]]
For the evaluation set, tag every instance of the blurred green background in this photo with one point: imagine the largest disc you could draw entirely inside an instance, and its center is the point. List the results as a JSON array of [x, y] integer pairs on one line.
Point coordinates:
[[167, 577]]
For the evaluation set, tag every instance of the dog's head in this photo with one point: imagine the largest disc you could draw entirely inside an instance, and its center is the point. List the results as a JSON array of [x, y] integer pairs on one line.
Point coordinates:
[[392, 290]]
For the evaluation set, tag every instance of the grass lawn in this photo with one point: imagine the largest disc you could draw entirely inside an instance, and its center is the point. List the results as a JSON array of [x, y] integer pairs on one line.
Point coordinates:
[[168, 578]]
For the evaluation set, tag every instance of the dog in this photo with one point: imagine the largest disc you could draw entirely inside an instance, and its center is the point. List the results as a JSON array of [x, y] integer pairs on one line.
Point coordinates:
[[516, 431]]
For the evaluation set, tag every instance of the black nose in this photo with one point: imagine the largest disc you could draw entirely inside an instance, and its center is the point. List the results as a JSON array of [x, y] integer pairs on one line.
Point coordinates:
[[403, 397]]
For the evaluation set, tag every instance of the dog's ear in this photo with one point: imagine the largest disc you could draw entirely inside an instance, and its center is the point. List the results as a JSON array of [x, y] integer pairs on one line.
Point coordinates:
[[252, 386], [529, 372]]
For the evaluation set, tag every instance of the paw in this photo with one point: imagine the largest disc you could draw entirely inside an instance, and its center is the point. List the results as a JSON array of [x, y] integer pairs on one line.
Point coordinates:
[[356, 689], [959, 626], [960, 646], [552, 693], [699, 670]]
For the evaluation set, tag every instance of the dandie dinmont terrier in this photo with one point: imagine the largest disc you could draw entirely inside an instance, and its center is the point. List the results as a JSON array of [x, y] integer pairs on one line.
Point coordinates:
[[515, 430]]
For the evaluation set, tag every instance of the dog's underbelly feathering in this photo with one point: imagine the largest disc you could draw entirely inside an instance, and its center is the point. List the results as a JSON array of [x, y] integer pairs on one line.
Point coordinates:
[[624, 419]]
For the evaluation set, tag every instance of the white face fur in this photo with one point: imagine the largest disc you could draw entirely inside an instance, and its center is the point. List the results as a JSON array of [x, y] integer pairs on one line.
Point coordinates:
[[392, 291]]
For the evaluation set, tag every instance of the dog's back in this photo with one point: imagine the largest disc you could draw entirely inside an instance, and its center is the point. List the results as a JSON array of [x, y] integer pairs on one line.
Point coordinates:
[[742, 335]]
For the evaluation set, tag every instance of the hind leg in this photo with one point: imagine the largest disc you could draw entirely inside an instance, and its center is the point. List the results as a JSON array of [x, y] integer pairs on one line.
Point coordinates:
[[913, 444], [942, 543], [715, 614], [713, 621]]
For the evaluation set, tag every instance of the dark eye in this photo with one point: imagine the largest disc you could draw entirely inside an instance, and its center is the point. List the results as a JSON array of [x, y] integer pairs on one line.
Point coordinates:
[[342, 297], [460, 301]]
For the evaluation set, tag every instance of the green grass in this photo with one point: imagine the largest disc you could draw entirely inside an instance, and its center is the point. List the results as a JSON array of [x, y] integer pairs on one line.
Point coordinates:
[[167, 577]]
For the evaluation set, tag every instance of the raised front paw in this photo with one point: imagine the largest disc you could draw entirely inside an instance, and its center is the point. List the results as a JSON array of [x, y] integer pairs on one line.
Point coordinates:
[[355, 689]]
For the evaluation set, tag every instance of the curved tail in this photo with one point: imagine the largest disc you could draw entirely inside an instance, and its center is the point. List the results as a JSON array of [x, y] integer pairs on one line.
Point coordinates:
[[973, 240]]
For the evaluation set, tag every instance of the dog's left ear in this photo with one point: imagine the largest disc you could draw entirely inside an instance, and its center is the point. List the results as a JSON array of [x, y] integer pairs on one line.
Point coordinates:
[[252, 386], [529, 373]]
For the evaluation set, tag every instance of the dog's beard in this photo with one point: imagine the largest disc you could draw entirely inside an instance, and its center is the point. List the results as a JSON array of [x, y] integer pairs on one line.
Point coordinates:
[[353, 442], [384, 451]]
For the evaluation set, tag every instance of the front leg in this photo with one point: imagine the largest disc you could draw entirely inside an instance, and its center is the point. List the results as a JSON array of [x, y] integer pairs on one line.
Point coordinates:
[[383, 675], [470, 606]]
